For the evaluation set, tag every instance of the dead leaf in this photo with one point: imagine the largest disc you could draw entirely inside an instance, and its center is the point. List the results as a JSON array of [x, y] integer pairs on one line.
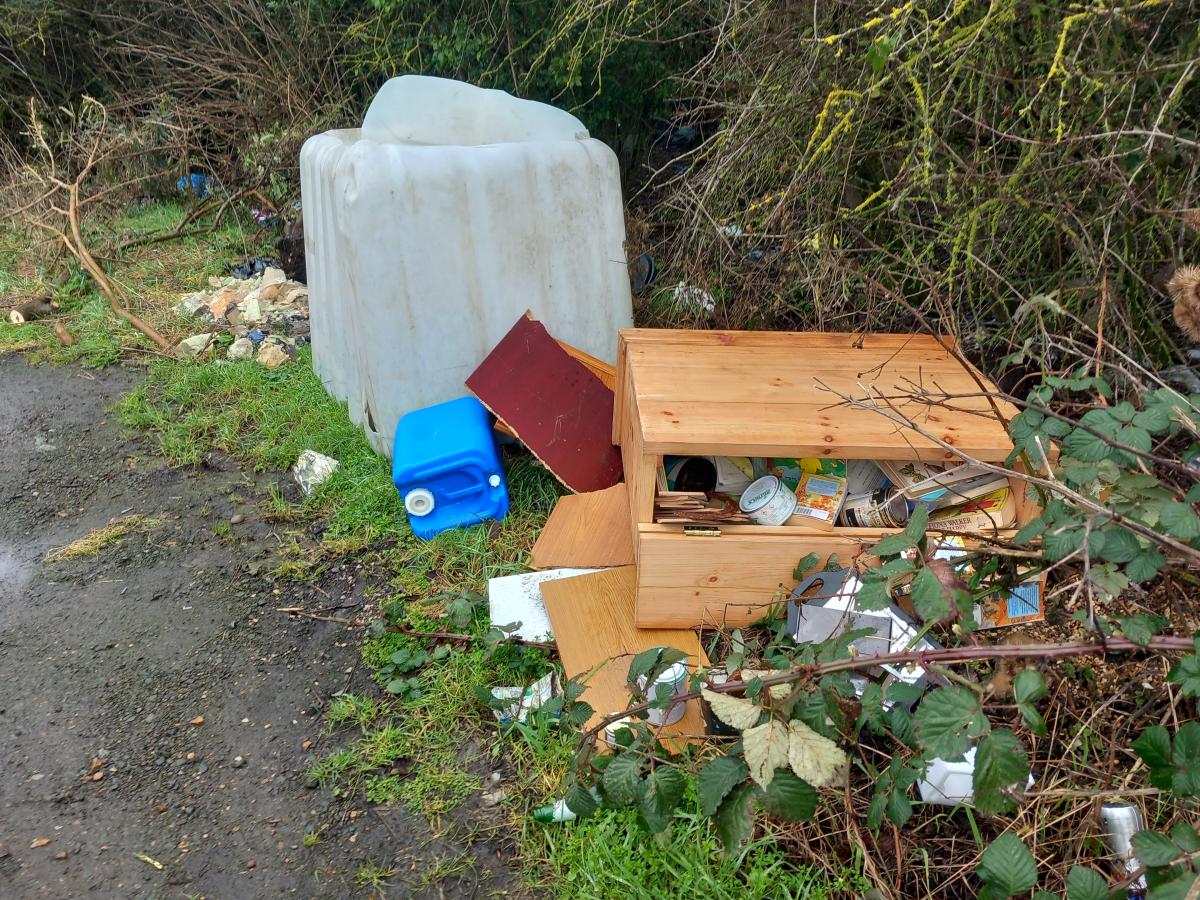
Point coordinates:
[[39, 842], [199, 720], [813, 757], [306, 744], [766, 749], [736, 712], [97, 776]]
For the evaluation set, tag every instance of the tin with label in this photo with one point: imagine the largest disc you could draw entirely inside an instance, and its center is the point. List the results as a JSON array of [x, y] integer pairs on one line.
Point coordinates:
[[884, 508], [768, 501]]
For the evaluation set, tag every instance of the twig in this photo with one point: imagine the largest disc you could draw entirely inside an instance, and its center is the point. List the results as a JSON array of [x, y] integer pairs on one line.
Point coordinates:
[[456, 636]]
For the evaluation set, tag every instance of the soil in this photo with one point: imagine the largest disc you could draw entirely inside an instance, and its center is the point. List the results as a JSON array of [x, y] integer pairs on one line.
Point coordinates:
[[110, 784]]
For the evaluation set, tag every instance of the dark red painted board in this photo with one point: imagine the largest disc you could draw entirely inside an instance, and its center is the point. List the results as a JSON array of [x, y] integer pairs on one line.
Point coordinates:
[[560, 411]]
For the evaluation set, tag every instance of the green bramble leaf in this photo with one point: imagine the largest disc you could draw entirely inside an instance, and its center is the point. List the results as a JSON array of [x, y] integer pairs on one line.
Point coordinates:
[[894, 543], [658, 796], [948, 720], [735, 819], [1154, 748], [1120, 544], [1145, 565], [803, 566], [1155, 849], [874, 594], [917, 523], [789, 797], [1180, 520], [1029, 531], [1177, 889], [1193, 494], [1029, 686], [1155, 419], [1086, 446], [1141, 628], [1007, 867], [621, 779], [1085, 884], [1186, 673], [1185, 759], [1186, 837], [1001, 767], [717, 779], [929, 597], [580, 801]]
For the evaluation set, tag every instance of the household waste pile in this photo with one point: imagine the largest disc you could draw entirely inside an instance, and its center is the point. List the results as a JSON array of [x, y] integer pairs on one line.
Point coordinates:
[[266, 314]]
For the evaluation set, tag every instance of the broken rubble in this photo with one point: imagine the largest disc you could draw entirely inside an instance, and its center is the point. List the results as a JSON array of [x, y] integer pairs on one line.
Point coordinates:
[[191, 347], [242, 348], [271, 355], [265, 303]]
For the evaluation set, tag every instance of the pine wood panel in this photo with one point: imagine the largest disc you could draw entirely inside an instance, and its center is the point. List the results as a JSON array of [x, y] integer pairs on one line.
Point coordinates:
[[592, 617], [586, 530], [730, 580], [762, 394]]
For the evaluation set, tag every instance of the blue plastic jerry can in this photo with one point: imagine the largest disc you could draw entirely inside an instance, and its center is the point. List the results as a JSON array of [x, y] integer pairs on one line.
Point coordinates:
[[446, 467]]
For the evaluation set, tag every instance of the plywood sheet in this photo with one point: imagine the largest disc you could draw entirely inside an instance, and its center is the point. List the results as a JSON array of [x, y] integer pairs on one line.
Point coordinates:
[[777, 393], [592, 618], [589, 529], [558, 408]]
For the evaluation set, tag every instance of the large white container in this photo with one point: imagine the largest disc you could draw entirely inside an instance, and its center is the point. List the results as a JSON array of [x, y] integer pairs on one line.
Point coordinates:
[[428, 231]]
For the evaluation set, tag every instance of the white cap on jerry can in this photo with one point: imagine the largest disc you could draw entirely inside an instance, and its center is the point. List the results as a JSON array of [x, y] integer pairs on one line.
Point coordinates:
[[419, 502]]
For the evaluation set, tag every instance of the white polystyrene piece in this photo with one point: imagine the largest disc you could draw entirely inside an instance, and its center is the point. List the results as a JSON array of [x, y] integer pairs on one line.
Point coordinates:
[[422, 253], [951, 783]]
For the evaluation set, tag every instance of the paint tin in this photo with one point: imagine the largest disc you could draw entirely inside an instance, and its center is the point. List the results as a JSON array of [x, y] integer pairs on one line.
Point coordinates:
[[613, 728], [884, 508], [768, 501], [671, 682]]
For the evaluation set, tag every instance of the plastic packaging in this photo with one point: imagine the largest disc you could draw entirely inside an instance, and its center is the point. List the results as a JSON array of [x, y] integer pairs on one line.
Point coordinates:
[[446, 467], [431, 229]]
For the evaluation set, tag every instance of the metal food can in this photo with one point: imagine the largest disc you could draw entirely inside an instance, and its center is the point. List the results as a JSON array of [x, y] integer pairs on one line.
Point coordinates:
[[767, 501], [884, 508]]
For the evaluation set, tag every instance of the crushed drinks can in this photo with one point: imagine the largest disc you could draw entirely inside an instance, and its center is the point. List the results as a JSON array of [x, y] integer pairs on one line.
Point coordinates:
[[883, 508], [1120, 822], [768, 501]]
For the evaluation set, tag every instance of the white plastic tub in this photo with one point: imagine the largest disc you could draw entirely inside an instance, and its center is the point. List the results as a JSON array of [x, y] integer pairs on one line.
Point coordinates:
[[430, 230]]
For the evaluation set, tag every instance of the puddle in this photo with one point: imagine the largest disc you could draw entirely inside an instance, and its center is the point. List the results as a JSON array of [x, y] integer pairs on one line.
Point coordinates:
[[13, 574]]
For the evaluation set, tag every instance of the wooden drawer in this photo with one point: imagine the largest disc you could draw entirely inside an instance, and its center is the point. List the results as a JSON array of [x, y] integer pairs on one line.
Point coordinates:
[[731, 580]]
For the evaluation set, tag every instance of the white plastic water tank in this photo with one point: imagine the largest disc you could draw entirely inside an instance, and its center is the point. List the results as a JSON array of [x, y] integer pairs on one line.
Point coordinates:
[[431, 229]]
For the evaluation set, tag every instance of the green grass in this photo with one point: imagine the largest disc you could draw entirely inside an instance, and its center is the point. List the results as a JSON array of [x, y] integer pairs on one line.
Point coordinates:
[[611, 857]]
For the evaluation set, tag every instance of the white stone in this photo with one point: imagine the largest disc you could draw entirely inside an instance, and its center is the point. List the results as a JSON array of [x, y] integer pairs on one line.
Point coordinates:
[[251, 309], [273, 276], [242, 348], [191, 347], [191, 304], [296, 295]]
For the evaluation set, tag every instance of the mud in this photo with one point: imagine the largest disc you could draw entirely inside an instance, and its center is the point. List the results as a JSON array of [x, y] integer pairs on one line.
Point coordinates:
[[106, 660]]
